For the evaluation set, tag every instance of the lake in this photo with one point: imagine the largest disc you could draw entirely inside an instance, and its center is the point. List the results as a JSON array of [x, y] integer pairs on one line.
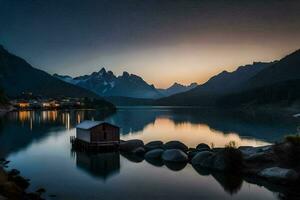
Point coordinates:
[[38, 144]]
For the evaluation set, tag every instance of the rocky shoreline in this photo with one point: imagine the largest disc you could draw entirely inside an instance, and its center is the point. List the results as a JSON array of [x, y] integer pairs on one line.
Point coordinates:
[[273, 164], [275, 167], [13, 186]]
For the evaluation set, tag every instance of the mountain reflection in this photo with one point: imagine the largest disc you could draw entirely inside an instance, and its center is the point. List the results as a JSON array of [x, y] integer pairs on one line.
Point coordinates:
[[101, 165]]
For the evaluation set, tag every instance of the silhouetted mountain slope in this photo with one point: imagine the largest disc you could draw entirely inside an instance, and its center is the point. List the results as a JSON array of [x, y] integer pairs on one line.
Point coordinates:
[[17, 76], [277, 84], [283, 93], [221, 84], [288, 68]]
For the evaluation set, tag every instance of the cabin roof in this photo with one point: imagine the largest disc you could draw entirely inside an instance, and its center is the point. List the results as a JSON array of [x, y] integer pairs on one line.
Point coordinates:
[[91, 124]]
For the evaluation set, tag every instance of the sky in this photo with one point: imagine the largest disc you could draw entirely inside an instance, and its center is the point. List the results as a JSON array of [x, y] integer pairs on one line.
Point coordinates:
[[164, 41]]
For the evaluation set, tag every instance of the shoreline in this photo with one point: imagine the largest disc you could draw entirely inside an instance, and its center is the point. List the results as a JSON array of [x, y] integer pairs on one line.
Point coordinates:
[[13, 186], [268, 166], [275, 166]]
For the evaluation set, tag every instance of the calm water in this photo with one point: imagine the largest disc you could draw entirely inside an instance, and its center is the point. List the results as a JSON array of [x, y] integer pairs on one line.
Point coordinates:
[[37, 143]]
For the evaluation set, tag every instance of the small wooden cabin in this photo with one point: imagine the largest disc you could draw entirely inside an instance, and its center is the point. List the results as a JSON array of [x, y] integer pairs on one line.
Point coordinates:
[[97, 132]]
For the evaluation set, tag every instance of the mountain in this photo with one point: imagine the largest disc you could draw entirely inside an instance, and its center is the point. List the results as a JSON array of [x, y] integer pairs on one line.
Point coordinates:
[[177, 88], [288, 68], [276, 84], [105, 83], [217, 86], [18, 76]]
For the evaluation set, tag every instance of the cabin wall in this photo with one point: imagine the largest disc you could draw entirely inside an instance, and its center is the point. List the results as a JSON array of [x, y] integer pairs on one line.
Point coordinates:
[[105, 132], [83, 135]]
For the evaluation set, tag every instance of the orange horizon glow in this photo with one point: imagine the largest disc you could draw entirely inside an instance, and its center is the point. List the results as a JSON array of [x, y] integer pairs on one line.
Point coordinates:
[[185, 63]]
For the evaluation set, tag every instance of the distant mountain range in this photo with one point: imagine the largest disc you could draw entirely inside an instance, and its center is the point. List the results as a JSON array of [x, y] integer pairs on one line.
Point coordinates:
[[106, 84], [259, 83], [177, 88], [18, 76]]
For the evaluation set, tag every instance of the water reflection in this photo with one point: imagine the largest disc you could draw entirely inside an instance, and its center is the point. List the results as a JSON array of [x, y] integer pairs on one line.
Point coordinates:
[[190, 126], [231, 183], [101, 165], [38, 144]]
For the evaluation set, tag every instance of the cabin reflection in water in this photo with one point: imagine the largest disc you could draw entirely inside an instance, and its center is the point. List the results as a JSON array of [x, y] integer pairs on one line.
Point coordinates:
[[100, 165]]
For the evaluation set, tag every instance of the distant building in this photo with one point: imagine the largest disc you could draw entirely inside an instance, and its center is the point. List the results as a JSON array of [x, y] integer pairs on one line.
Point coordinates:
[[23, 105], [97, 132]]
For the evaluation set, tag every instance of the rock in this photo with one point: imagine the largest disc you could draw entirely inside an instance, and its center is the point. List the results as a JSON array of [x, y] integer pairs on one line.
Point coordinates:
[[222, 160], [20, 181], [228, 159], [202, 147], [192, 153], [155, 162], [154, 154], [13, 172], [219, 162], [174, 155], [11, 190], [130, 145], [132, 157], [176, 145], [250, 151], [260, 157], [174, 166], [40, 190], [34, 196], [3, 175], [279, 174], [6, 162], [154, 145], [140, 151], [203, 159]]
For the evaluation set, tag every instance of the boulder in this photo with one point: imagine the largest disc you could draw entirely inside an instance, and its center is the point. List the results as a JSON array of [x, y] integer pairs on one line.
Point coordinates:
[[11, 190], [248, 151], [260, 157], [130, 145], [219, 162], [228, 159], [40, 190], [154, 154], [175, 166], [13, 172], [192, 153], [132, 157], [176, 145], [155, 162], [279, 174], [222, 160], [140, 151], [154, 145], [174, 155], [20, 181], [202, 147], [203, 159]]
